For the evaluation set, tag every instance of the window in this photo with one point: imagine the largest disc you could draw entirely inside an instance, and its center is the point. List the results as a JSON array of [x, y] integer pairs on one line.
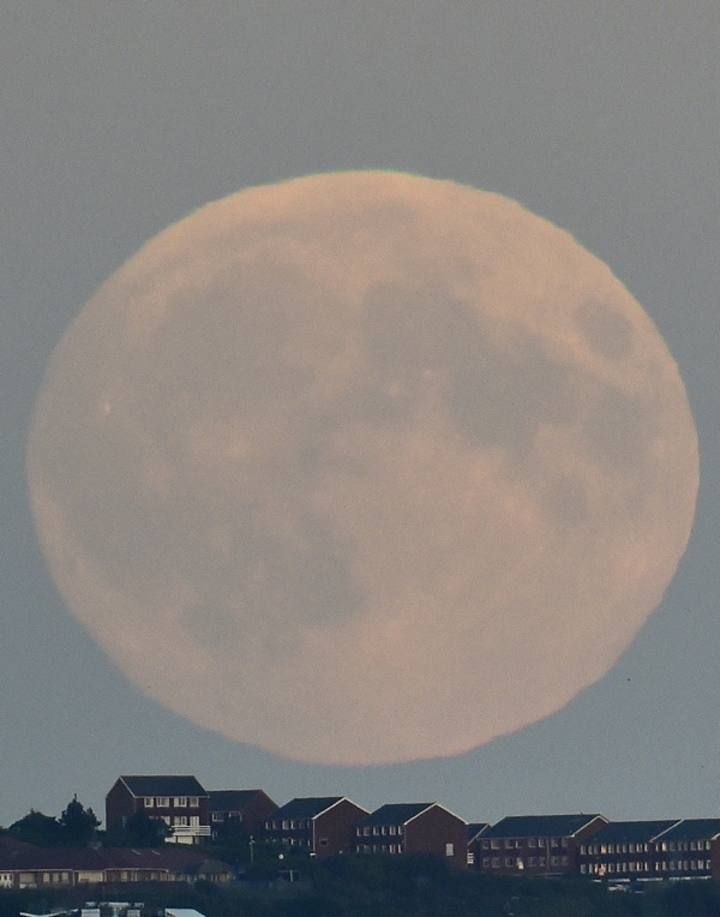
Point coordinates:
[[554, 841], [180, 802], [486, 862], [532, 861], [162, 802], [393, 829], [166, 819], [583, 869], [495, 863], [217, 816], [285, 824], [485, 845], [323, 842], [149, 802], [494, 844], [470, 858], [366, 831], [180, 820], [193, 802], [509, 861], [449, 850], [376, 830], [194, 821], [563, 861], [532, 842], [383, 830], [541, 861]]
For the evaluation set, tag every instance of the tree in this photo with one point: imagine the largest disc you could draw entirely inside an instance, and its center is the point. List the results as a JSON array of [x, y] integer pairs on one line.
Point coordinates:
[[78, 823], [36, 828], [140, 831]]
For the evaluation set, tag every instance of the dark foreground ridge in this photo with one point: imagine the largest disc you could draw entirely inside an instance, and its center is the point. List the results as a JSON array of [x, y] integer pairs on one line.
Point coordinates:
[[382, 886]]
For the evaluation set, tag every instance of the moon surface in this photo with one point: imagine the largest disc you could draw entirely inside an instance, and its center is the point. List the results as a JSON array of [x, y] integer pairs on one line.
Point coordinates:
[[363, 467]]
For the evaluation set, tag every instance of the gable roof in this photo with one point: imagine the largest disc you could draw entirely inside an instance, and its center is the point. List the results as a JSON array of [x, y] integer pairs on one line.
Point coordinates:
[[233, 800], [693, 829], [541, 825], [633, 832], [395, 813], [163, 785], [306, 806], [475, 829]]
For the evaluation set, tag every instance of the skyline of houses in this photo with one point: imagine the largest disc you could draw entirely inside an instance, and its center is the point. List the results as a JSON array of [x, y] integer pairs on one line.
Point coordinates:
[[553, 846]]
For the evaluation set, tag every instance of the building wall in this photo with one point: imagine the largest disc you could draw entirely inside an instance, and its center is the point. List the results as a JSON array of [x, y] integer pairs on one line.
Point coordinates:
[[119, 806], [440, 833], [334, 830], [540, 855]]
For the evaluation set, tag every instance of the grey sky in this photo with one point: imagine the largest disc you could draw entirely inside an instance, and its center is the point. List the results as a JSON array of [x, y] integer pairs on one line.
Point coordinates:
[[120, 117]]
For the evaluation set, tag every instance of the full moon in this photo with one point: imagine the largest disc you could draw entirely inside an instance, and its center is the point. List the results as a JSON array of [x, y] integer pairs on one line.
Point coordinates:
[[363, 467]]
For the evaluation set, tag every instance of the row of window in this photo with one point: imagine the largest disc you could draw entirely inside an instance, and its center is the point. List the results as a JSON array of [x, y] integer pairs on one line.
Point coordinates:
[[595, 849], [379, 848], [221, 816], [178, 802], [517, 863], [183, 821], [517, 843], [378, 830], [600, 869], [685, 845], [288, 824]]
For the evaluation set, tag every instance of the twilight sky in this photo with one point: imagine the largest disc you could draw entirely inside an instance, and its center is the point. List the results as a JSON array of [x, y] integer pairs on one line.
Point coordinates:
[[120, 118]]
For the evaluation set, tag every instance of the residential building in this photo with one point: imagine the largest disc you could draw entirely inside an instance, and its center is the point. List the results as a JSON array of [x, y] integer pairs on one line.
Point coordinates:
[[535, 844], [248, 808], [689, 849], [179, 800], [48, 867], [320, 826], [622, 851], [475, 830], [414, 827]]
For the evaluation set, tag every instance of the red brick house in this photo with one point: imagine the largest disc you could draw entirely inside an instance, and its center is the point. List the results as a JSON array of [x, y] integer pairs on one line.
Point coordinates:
[[622, 851], [414, 827], [180, 801], [320, 826], [689, 849], [248, 808], [545, 845]]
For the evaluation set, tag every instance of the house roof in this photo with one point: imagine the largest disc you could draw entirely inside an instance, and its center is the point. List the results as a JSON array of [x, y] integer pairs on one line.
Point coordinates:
[[633, 832], [693, 829], [306, 807], [395, 813], [69, 858], [540, 825], [164, 785], [475, 829], [233, 800]]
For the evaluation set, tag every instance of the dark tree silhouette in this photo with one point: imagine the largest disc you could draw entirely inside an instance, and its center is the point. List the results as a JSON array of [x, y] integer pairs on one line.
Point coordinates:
[[78, 824]]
